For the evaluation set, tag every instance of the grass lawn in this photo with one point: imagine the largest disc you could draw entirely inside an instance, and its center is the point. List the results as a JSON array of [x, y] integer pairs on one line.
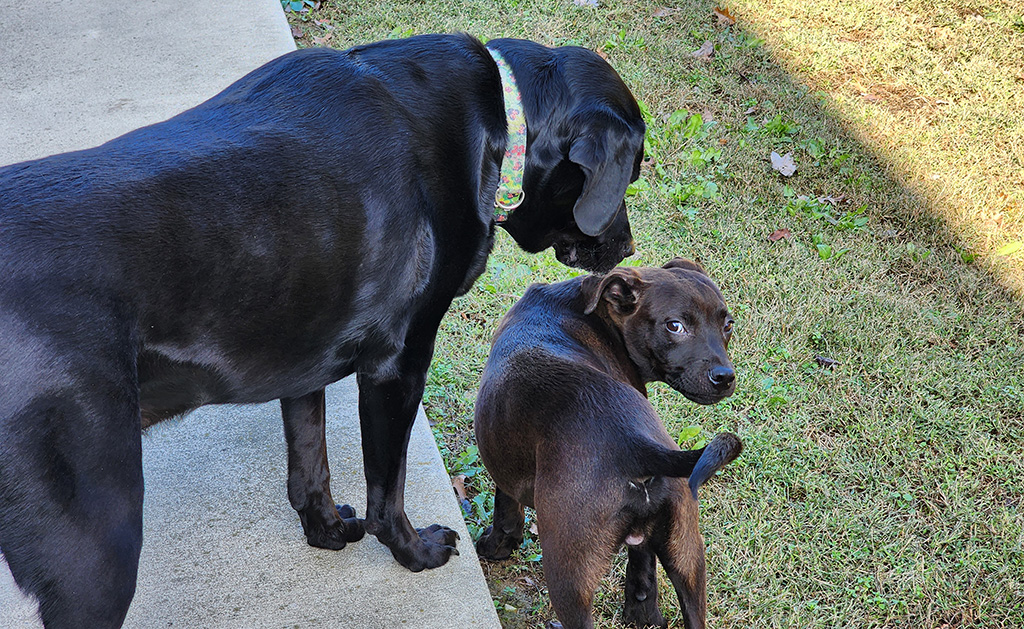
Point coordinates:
[[884, 490]]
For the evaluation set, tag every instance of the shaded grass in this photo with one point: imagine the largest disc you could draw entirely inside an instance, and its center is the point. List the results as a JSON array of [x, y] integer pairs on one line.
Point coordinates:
[[885, 491]]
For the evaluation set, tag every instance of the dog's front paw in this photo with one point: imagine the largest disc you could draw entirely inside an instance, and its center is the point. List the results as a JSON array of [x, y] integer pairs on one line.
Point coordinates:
[[335, 534], [643, 614], [496, 545], [437, 534], [432, 547]]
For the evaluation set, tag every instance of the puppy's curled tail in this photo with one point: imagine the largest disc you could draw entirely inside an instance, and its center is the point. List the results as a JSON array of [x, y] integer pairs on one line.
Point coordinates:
[[698, 465]]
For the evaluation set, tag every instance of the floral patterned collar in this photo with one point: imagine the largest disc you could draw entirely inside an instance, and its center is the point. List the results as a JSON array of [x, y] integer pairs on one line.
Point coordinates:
[[510, 193]]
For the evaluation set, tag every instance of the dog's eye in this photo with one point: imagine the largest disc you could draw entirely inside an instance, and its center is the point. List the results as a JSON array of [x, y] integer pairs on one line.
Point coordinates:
[[675, 327], [728, 326]]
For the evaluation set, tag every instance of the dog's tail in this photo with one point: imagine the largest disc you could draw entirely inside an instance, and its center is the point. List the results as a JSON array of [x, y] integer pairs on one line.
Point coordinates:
[[698, 465]]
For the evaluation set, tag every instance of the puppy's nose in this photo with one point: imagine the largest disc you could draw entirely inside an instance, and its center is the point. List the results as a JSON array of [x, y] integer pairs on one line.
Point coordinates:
[[721, 376], [630, 248]]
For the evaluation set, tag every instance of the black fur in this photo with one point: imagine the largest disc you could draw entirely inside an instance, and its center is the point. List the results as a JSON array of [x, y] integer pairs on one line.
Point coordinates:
[[313, 220]]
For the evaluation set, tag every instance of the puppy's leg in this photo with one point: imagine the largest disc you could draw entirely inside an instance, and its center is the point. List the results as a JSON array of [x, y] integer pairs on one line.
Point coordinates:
[[387, 409], [576, 537], [680, 548], [506, 534], [573, 566], [641, 608], [326, 524], [71, 482]]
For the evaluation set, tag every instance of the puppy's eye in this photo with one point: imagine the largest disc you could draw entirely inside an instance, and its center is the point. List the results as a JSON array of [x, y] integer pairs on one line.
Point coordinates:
[[728, 327], [675, 327]]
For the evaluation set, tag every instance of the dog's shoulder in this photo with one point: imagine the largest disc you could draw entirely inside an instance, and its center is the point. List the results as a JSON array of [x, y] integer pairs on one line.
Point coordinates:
[[548, 325], [541, 310]]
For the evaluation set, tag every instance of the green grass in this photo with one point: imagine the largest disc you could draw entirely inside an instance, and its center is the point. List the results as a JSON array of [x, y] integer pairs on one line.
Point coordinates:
[[885, 491]]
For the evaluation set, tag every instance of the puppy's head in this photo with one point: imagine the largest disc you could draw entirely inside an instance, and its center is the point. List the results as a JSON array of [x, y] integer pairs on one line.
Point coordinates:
[[584, 147], [674, 324]]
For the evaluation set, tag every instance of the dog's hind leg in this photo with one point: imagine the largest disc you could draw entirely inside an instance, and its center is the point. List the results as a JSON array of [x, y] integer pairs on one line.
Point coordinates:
[[578, 539], [574, 562], [680, 548], [325, 524], [506, 533], [641, 608], [71, 477]]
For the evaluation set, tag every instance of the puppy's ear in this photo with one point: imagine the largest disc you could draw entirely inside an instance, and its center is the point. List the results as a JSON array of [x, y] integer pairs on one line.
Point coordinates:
[[683, 263], [622, 288], [608, 162]]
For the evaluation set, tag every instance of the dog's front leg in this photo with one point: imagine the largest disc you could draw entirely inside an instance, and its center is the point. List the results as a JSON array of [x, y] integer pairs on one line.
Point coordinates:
[[325, 524], [641, 608], [387, 409], [505, 535]]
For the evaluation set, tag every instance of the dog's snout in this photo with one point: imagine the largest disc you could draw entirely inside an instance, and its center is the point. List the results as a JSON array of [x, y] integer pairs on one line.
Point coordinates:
[[721, 376], [630, 248]]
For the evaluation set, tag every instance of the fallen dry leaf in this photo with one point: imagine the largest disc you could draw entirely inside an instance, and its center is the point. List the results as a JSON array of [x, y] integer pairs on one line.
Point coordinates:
[[459, 485], [664, 12], [784, 164], [824, 361], [724, 17], [833, 201], [297, 32], [533, 528], [706, 51], [779, 234], [1010, 249]]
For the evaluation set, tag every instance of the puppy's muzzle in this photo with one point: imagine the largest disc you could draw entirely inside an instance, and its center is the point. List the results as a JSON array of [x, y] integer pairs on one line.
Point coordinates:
[[721, 377]]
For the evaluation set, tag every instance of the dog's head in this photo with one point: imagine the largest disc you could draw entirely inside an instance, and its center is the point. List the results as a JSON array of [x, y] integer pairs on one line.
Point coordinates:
[[674, 323], [585, 142]]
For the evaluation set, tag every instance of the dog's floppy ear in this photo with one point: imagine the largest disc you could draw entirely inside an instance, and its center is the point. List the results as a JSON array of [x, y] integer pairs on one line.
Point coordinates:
[[622, 288], [683, 263], [607, 161]]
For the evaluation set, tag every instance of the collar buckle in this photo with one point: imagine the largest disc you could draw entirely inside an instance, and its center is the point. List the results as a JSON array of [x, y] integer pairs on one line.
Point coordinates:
[[508, 200]]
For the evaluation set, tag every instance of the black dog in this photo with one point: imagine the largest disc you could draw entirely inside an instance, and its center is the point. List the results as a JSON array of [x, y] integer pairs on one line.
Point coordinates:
[[563, 424], [313, 220]]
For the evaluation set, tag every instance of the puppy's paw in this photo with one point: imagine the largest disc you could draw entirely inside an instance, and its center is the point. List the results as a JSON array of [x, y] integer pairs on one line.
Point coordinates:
[[496, 545], [643, 614]]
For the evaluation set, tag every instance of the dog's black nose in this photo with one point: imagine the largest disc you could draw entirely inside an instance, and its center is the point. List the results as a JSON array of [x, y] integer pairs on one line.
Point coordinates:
[[721, 376]]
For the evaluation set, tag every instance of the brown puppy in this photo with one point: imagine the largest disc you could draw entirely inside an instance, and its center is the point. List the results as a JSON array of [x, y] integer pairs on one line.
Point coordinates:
[[563, 425]]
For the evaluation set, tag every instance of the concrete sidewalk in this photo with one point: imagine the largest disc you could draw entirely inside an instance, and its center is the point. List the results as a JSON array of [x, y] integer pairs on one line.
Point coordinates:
[[222, 548]]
